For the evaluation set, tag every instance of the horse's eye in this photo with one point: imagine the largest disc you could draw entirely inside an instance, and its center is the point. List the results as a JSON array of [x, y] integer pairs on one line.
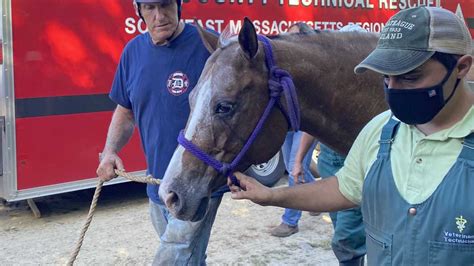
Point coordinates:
[[224, 108]]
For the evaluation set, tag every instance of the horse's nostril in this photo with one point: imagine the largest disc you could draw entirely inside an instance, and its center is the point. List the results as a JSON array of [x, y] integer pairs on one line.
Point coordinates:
[[171, 200]]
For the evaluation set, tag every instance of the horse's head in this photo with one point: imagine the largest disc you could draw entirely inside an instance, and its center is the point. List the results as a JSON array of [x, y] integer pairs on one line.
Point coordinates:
[[226, 105]]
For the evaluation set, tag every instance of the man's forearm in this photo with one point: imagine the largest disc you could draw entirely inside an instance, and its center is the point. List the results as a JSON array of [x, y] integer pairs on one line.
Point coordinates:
[[318, 196], [305, 143], [120, 130]]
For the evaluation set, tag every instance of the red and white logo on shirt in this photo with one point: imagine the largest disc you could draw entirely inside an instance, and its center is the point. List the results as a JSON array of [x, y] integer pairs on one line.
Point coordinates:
[[177, 83]]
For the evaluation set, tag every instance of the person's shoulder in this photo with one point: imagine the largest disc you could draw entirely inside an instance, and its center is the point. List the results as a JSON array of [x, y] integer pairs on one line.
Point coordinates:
[[136, 42], [192, 30], [191, 41], [190, 27], [189, 34], [189, 30]]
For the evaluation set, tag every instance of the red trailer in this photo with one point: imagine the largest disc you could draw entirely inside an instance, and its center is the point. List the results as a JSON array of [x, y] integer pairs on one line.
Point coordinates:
[[59, 57]]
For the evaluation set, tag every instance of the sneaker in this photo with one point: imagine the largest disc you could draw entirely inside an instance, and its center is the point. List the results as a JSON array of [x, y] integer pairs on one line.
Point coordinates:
[[283, 230], [314, 213]]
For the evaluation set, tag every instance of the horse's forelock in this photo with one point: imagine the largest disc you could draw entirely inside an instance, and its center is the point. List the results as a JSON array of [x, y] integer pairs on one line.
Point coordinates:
[[227, 41]]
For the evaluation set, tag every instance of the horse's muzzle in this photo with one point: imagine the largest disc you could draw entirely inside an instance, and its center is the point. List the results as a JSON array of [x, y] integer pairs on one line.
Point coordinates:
[[192, 211]]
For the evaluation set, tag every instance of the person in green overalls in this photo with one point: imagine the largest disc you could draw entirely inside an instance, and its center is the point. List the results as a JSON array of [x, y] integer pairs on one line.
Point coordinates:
[[411, 169]]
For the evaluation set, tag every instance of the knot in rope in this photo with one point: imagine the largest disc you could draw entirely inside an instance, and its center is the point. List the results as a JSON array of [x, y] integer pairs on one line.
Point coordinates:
[[226, 168], [281, 80], [275, 88], [278, 73]]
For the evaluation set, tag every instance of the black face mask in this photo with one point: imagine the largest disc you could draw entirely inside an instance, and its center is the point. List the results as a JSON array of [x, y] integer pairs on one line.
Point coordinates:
[[418, 106]]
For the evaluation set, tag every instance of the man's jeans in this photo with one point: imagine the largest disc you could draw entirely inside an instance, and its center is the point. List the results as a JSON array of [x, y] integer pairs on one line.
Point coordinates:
[[348, 242], [290, 148], [182, 242]]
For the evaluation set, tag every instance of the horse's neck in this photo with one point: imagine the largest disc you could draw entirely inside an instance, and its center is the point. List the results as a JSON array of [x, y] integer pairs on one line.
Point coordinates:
[[335, 103]]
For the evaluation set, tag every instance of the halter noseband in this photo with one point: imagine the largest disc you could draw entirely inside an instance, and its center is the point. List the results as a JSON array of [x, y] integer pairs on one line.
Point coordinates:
[[279, 80]]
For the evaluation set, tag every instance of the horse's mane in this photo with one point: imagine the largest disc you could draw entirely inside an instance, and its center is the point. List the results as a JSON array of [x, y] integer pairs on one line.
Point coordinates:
[[328, 44], [321, 34], [322, 37]]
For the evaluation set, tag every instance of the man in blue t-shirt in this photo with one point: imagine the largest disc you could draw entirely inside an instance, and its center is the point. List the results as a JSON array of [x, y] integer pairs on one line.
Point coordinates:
[[156, 73]]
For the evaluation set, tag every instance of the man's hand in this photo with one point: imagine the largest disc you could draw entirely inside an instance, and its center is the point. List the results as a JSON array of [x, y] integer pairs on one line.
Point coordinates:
[[298, 173], [250, 189], [108, 163]]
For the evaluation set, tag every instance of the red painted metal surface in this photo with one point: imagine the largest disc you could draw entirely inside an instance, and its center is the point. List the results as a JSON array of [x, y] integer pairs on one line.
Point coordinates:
[[64, 148]]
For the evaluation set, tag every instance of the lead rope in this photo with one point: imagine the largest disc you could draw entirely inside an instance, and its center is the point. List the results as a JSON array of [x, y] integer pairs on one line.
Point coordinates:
[[144, 179]]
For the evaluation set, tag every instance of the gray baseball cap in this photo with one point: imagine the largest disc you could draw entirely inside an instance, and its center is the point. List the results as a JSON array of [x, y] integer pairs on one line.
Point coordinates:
[[412, 36]]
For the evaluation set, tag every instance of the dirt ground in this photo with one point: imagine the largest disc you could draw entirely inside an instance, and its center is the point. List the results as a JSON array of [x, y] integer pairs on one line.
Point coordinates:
[[121, 232]]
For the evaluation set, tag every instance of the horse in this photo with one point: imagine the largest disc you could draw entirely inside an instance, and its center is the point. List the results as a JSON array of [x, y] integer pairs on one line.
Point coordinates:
[[233, 91]]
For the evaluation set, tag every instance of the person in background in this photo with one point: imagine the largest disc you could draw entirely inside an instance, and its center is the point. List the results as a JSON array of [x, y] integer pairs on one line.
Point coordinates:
[[348, 241], [291, 217]]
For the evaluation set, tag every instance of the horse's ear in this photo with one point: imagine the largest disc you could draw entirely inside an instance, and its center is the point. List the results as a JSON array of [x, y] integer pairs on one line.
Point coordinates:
[[208, 38], [248, 39]]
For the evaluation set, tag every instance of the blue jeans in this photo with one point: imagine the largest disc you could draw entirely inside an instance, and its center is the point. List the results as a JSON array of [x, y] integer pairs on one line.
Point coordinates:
[[290, 148], [348, 242], [182, 242]]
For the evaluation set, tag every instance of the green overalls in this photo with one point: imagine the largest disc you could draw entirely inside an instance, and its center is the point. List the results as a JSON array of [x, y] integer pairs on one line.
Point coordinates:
[[438, 231]]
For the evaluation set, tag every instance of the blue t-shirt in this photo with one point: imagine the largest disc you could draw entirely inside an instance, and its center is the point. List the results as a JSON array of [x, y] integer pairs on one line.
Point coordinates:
[[155, 82]]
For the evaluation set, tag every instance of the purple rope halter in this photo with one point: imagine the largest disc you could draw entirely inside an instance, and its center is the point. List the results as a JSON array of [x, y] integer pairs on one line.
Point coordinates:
[[279, 80]]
